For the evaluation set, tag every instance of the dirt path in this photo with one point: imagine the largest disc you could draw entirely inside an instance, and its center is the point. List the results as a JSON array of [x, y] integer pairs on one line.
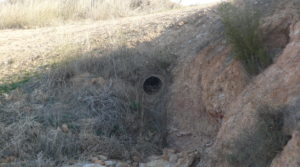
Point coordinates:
[[24, 51]]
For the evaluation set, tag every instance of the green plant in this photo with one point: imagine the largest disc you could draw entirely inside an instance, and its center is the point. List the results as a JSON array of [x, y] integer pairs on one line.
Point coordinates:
[[7, 87], [258, 145], [242, 31]]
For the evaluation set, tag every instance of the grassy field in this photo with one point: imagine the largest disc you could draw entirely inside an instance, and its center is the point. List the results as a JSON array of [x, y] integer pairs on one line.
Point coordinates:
[[36, 13]]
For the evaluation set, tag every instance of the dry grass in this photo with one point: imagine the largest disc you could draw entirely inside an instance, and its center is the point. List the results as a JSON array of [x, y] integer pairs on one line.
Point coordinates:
[[99, 97], [242, 31], [257, 146], [35, 13]]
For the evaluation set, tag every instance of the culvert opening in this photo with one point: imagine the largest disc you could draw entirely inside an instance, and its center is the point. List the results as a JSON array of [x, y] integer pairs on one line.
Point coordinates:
[[152, 85]]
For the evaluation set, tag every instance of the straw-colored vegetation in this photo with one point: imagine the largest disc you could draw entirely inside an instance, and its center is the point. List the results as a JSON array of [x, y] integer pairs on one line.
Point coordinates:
[[35, 13], [98, 99]]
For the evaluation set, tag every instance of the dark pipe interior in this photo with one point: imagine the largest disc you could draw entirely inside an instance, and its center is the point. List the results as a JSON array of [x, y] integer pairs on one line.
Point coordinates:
[[152, 85]]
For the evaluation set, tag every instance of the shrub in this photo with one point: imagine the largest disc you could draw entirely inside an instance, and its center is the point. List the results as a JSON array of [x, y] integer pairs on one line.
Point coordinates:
[[242, 31], [257, 146]]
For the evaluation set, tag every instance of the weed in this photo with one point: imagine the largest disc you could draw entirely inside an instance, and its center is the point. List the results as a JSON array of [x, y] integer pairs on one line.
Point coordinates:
[[242, 31], [5, 88]]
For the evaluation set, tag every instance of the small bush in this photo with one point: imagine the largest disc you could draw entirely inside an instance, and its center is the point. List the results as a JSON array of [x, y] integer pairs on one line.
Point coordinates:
[[257, 146], [242, 31]]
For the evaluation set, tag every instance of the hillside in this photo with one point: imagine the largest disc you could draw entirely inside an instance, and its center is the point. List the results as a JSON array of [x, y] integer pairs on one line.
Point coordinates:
[[40, 47], [156, 90]]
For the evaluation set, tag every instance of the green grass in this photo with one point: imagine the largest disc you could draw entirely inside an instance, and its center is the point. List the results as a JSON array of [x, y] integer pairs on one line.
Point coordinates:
[[7, 87], [241, 26]]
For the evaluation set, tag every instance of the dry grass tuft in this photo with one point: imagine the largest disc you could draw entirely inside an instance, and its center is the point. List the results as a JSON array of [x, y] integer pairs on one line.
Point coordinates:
[[241, 26], [258, 145], [36, 13]]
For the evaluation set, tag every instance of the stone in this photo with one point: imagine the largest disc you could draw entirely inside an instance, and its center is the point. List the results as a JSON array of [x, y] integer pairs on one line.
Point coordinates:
[[185, 159], [110, 162], [173, 158], [97, 161], [122, 164], [142, 165], [84, 165], [158, 163], [93, 159], [167, 153], [100, 162], [8, 62], [102, 157], [93, 165], [65, 128]]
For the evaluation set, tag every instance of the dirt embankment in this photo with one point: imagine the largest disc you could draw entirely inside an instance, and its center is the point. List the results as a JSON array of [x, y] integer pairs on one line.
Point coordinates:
[[214, 101]]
